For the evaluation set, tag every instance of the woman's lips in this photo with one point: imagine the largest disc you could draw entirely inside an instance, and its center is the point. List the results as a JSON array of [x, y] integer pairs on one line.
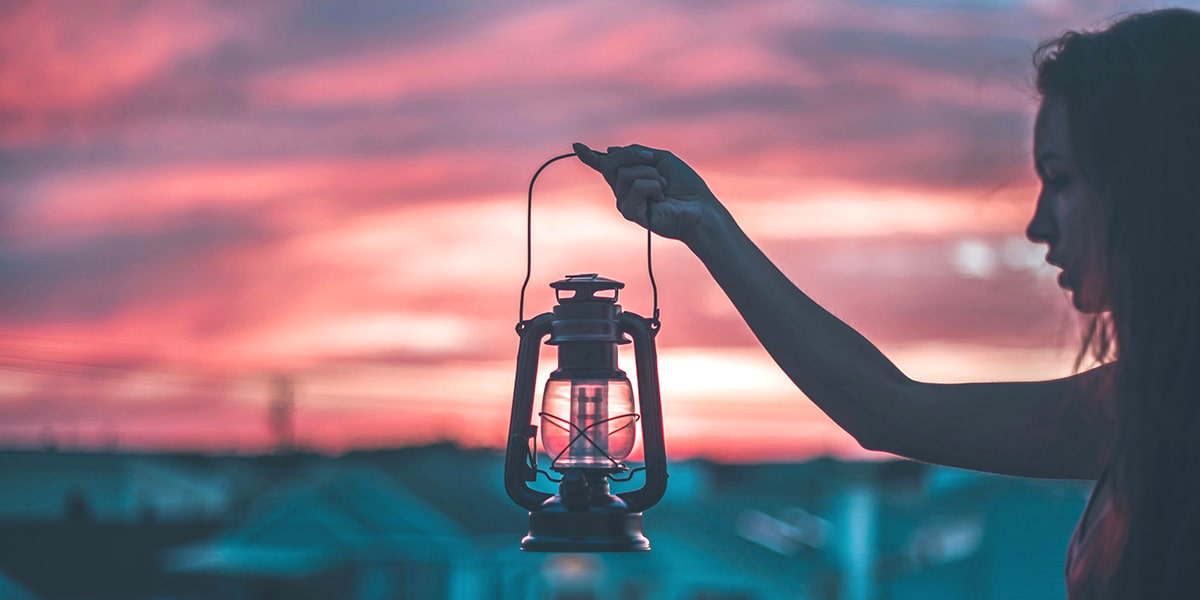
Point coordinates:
[[1063, 280], [1052, 260]]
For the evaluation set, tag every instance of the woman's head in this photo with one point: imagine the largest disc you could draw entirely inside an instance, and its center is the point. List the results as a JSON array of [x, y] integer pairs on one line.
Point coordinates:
[[1123, 205], [1127, 101]]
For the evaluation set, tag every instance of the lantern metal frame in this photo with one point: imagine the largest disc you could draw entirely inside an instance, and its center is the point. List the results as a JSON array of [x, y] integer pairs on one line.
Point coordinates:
[[584, 516]]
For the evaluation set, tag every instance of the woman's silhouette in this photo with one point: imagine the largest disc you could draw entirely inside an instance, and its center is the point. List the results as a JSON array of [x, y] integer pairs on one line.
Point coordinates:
[[1117, 148]]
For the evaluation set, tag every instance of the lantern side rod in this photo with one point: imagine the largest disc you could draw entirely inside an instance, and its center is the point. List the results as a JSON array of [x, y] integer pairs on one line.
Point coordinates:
[[520, 430], [642, 331]]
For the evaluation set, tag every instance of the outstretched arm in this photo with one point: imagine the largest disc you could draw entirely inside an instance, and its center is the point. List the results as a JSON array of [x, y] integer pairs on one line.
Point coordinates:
[[1059, 428]]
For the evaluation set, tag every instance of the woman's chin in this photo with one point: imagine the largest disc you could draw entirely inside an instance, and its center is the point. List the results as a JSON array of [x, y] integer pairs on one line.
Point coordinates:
[[1085, 301], [1087, 304]]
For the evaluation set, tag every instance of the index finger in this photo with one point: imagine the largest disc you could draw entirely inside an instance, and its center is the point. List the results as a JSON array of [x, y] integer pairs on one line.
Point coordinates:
[[586, 155], [634, 154], [616, 158]]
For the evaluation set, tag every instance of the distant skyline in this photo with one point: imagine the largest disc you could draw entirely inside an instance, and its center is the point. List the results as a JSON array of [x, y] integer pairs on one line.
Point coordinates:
[[197, 197]]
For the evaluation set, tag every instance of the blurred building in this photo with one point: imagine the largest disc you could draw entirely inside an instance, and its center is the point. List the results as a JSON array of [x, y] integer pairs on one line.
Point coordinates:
[[433, 523], [11, 590]]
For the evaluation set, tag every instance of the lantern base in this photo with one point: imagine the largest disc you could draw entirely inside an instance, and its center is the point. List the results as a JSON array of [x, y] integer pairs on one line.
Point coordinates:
[[585, 531]]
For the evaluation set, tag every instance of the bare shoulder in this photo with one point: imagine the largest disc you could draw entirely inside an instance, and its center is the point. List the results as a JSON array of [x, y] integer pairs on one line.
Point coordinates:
[[1088, 421], [1094, 393]]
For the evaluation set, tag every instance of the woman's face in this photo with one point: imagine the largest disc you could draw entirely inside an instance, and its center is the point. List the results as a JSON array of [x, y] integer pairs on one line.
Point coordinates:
[[1065, 218]]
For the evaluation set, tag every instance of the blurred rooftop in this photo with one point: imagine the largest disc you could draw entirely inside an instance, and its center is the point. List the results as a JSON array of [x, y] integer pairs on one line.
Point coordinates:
[[434, 522]]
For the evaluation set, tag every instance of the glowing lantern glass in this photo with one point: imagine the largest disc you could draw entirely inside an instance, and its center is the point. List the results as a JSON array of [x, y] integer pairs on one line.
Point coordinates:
[[576, 427]]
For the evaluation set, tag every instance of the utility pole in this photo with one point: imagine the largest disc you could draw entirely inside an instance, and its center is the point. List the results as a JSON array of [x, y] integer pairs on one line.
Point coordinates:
[[281, 413]]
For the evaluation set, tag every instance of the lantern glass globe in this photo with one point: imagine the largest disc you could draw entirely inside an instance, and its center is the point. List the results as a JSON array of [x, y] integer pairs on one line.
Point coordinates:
[[588, 423]]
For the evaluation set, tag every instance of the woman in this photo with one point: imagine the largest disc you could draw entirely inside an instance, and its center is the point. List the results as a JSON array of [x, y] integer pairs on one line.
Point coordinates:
[[1117, 148]]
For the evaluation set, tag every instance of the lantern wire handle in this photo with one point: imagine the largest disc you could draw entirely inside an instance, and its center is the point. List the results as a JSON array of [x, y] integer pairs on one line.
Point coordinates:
[[654, 324]]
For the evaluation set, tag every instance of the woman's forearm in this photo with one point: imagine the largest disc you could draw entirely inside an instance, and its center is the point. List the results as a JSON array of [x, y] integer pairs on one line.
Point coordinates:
[[839, 369]]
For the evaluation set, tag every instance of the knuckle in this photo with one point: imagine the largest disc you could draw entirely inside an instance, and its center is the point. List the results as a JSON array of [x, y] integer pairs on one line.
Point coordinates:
[[637, 171], [645, 185]]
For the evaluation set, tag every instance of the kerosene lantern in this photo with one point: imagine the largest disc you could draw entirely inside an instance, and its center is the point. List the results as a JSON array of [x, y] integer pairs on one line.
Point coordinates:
[[587, 422]]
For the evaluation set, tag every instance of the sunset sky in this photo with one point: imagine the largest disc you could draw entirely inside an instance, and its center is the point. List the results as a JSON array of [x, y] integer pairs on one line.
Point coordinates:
[[198, 197]]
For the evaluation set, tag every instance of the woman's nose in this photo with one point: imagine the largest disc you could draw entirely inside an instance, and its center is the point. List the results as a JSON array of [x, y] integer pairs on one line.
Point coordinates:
[[1041, 228]]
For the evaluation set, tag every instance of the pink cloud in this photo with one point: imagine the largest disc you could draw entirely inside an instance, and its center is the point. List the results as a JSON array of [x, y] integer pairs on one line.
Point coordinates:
[[345, 202], [551, 47], [65, 60], [293, 188]]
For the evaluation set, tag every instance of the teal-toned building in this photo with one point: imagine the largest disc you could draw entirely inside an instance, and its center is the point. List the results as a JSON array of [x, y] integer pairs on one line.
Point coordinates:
[[434, 523]]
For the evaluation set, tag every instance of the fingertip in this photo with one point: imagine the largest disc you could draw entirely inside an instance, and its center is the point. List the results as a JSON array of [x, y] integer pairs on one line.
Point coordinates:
[[585, 154]]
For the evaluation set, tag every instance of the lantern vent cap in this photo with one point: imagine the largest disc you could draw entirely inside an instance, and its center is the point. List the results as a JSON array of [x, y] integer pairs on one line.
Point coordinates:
[[584, 287]]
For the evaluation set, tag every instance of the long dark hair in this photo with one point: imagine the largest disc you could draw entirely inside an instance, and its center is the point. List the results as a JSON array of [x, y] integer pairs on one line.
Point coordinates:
[[1133, 96]]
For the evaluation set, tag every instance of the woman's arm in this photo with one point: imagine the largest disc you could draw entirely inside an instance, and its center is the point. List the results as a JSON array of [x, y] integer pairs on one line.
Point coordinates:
[[1059, 428]]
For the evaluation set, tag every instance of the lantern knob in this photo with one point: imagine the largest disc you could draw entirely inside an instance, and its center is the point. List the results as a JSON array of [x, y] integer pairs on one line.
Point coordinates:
[[583, 288]]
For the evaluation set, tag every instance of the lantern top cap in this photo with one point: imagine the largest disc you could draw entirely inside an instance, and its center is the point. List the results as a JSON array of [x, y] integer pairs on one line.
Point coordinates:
[[585, 286]]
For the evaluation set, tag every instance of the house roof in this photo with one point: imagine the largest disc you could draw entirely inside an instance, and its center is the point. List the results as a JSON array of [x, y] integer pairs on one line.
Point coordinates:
[[465, 485], [329, 516]]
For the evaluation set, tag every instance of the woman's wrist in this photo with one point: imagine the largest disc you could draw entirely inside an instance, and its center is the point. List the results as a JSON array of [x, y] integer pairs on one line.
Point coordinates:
[[712, 228]]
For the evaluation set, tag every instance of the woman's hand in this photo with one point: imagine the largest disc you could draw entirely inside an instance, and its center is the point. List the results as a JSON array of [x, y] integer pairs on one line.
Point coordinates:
[[680, 202]]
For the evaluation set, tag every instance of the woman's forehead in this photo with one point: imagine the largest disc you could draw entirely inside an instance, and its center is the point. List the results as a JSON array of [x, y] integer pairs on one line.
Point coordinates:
[[1051, 130]]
